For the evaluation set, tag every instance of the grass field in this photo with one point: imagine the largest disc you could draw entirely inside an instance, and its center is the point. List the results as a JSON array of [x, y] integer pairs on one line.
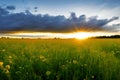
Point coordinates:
[[92, 59]]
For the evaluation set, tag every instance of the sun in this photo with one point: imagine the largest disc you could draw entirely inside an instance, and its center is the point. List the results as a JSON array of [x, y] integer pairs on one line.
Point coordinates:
[[81, 35]]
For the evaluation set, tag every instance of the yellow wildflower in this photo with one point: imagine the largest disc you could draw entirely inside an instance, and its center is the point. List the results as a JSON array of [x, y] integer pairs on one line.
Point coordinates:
[[93, 76], [85, 64], [1, 64], [10, 57], [81, 57], [63, 67], [75, 62], [44, 60], [3, 50], [42, 57], [10, 61], [48, 73], [84, 79], [7, 67], [82, 65], [7, 71]]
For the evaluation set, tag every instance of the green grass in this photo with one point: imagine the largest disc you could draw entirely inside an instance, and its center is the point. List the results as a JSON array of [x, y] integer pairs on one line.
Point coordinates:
[[92, 59]]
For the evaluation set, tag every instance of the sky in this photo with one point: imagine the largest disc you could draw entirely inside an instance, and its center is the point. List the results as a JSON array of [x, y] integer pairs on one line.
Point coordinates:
[[59, 16]]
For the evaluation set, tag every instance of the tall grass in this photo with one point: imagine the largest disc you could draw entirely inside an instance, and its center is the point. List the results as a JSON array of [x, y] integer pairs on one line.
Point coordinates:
[[92, 59]]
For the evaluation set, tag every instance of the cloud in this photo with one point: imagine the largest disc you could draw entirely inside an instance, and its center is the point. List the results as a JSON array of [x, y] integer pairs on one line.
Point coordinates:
[[35, 7], [3, 11], [26, 21], [113, 27], [10, 7]]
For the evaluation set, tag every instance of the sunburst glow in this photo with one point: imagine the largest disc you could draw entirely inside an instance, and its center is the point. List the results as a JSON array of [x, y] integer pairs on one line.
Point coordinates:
[[81, 35], [76, 35]]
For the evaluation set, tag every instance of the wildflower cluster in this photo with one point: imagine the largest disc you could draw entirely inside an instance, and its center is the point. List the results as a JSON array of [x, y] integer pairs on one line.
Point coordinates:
[[43, 58], [4, 69]]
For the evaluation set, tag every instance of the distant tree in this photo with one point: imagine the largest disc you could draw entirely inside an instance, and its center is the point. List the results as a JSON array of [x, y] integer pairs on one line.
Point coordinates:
[[112, 36]]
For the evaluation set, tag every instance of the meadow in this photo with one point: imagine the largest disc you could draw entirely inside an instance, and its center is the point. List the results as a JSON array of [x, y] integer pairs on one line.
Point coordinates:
[[70, 59]]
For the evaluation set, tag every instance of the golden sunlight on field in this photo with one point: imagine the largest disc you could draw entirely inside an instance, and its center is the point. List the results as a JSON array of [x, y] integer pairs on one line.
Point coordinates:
[[59, 59]]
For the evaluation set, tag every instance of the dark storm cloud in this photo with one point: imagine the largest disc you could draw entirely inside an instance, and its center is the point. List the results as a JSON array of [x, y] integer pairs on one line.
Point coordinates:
[[26, 21], [3, 11], [35, 9], [10, 7], [113, 27]]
